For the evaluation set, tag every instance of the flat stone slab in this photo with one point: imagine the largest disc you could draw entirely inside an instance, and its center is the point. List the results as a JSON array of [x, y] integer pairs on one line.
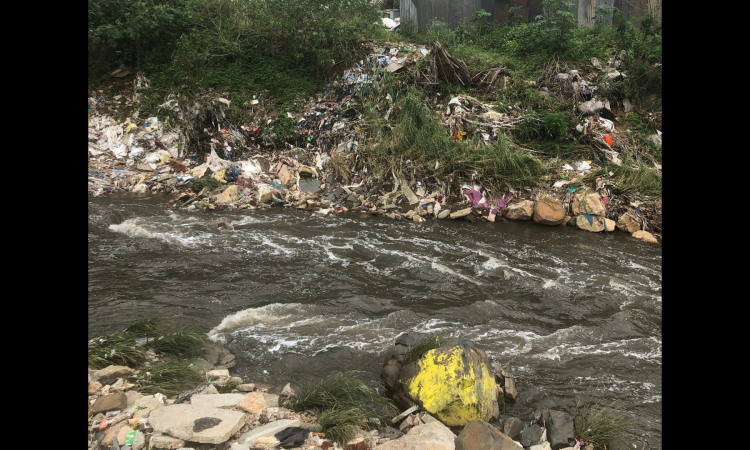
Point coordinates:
[[216, 400], [268, 429], [197, 423]]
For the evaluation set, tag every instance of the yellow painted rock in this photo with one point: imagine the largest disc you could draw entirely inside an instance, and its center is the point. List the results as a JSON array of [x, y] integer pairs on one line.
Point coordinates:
[[454, 383]]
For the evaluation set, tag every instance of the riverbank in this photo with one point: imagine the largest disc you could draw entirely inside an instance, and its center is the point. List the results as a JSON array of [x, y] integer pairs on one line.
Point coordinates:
[[224, 412], [360, 145]]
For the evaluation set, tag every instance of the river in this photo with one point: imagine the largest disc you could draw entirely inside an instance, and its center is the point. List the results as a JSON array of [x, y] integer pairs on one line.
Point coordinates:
[[299, 296]]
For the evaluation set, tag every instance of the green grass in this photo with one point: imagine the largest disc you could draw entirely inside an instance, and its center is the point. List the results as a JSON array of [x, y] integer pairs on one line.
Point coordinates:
[[631, 177], [427, 343], [169, 379], [177, 343], [601, 425], [345, 402]]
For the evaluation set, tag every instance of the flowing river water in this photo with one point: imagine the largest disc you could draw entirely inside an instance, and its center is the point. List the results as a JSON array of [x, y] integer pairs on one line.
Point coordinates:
[[299, 296]]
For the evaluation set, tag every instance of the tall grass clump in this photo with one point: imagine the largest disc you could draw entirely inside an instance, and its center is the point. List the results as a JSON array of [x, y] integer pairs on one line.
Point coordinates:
[[427, 343], [345, 402], [632, 177], [132, 346], [601, 425]]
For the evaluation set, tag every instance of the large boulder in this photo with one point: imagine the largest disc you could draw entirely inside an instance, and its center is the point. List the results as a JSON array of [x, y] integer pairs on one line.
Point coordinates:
[[453, 382], [549, 211], [197, 423], [480, 435], [596, 225], [645, 236], [217, 401], [587, 202], [521, 210], [430, 436], [628, 223]]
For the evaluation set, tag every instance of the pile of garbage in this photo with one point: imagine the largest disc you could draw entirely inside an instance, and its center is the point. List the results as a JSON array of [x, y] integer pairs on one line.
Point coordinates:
[[242, 167]]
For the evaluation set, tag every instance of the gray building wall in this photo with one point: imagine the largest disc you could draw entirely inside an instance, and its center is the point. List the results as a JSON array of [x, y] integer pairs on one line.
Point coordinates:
[[420, 13]]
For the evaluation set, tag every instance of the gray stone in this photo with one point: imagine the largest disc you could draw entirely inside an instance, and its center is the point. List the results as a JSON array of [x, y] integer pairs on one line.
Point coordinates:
[[211, 353], [510, 387], [201, 364], [409, 339], [309, 185], [217, 401], [132, 396], [560, 431], [480, 435], [219, 373], [166, 442], [314, 427], [548, 414], [111, 373], [197, 423], [499, 375], [512, 427], [110, 402], [444, 213], [531, 436], [268, 429], [432, 436]]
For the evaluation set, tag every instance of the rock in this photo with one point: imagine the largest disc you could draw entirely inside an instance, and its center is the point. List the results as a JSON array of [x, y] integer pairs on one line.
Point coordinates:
[[201, 364], [547, 414], [229, 195], [549, 211], [111, 433], [210, 390], [309, 185], [432, 436], [560, 432], [571, 222], [110, 402], [256, 402], [248, 387], [596, 225], [521, 210], [512, 426], [93, 387], [217, 401], [197, 423], [417, 219], [645, 236], [444, 213], [587, 202], [111, 373], [480, 435], [628, 223], [406, 340], [452, 382], [461, 213], [389, 375], [265, 441], [218, 374], [144, 167], [133, 396], [389, 433], [499, 374], [166, 442], [268, 430], [357, 444], [510, 387], [531, 435]]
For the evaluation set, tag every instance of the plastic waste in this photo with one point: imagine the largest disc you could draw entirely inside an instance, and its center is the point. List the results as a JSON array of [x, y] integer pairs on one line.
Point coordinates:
[[583, 165]]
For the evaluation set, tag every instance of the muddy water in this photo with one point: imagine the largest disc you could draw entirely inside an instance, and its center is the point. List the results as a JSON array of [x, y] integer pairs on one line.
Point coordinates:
[[300, 296]]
